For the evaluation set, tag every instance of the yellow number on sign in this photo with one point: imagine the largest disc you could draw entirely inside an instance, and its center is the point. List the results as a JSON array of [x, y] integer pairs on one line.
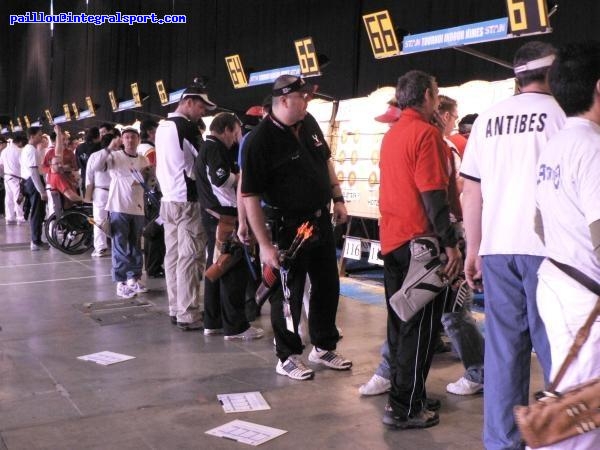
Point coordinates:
[[135, 91], [75, 110], [381, 34], [236, 71], [90, 105], [113, 100], [162, 93], [307, 56], [543, 13], [517, 15]]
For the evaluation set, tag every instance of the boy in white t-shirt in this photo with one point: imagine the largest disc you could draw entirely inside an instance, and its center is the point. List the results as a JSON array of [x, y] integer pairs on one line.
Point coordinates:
[[125, 203]]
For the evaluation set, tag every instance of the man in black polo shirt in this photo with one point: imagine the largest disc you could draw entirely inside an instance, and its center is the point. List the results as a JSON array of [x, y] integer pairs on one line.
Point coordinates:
[[217, 175], [287, 166]]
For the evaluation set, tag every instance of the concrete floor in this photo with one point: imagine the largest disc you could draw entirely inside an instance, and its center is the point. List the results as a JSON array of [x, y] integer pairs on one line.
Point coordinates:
[[166, 397]]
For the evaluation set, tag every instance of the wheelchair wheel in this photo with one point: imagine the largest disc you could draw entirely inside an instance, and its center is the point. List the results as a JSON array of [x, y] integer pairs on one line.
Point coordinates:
[[72, 233]]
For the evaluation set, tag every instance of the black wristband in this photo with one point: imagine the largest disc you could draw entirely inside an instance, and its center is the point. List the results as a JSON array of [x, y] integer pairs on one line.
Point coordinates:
[[339, 199]]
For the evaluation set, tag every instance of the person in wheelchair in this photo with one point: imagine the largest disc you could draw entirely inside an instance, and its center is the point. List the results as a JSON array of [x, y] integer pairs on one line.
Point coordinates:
[[60, 166]]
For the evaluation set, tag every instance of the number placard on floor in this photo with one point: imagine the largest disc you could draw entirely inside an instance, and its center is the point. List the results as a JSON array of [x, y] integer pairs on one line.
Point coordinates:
[[352, 248], [374, 254]]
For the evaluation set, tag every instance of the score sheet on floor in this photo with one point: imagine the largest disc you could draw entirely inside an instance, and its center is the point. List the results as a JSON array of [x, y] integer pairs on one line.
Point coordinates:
[[243, 402], [246, 432], [106, 358]]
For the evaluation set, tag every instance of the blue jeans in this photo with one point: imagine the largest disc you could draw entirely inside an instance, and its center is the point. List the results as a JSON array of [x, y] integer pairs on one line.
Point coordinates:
[[467, 340], [383, 369], [127, 259], [513, 325]]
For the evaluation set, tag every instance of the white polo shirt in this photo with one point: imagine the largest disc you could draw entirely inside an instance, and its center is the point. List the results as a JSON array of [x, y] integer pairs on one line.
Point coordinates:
[[11, 160], [30, 157], [502, 153], [568, 194]]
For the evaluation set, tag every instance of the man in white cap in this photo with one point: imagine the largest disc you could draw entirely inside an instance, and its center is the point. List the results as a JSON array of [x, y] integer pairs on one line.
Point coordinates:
[[502, 247], [177, 144]]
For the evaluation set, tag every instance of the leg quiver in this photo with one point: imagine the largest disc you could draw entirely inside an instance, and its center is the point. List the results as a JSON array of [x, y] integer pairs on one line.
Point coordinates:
[[423, 281]]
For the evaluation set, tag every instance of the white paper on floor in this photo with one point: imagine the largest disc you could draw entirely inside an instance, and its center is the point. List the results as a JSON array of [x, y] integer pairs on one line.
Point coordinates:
[[106, 358], [246, 432], [243, 402]]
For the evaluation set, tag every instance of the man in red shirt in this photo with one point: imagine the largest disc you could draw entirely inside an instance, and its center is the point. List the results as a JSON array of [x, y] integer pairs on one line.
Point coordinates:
[[60, 167], [413, 202]]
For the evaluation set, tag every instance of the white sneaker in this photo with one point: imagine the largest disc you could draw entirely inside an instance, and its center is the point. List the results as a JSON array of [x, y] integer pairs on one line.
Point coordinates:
[[377, 385], [294, 368], [464, 387], [100, 253], [137, 286], [329, 358], [124, 291], [36, 248], [248, 335]]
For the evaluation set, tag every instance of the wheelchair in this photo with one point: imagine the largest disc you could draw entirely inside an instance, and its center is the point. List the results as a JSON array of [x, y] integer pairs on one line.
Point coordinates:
[[70, 230]]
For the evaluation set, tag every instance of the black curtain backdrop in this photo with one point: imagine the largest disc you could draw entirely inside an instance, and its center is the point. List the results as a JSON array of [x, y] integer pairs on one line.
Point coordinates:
[[39, 70]]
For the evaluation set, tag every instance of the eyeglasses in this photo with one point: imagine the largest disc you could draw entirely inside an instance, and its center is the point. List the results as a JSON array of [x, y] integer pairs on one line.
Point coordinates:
[[303, 95]]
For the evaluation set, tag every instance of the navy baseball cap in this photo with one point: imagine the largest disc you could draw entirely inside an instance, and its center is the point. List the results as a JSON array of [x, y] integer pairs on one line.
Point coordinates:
[[286, 84]]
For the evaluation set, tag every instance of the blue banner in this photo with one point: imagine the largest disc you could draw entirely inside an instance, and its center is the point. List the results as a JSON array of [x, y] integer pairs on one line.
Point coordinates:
[[125, 105], [60, 119], [269, 76], [174, 97], [490, 30]]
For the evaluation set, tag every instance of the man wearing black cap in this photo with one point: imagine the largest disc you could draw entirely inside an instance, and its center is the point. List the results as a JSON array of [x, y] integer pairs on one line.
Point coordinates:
[[499, 168], [177, 144], [287, 166]]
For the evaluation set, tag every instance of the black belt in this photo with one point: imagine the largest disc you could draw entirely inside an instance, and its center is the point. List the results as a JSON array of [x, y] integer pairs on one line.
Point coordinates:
[[103, 188], [291, 216]]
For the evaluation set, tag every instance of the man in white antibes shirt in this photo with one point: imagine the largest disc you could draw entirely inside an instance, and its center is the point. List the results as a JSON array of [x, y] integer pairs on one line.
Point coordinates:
[[498, 204], [568, 203]]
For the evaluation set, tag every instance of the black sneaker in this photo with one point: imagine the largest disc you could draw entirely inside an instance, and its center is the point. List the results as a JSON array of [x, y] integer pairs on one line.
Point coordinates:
[[423, 419], [194, 326], [432, 404]]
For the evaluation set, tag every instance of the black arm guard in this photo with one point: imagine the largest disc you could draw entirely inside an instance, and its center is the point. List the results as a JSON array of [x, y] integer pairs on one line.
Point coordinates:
[[438, 212]]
